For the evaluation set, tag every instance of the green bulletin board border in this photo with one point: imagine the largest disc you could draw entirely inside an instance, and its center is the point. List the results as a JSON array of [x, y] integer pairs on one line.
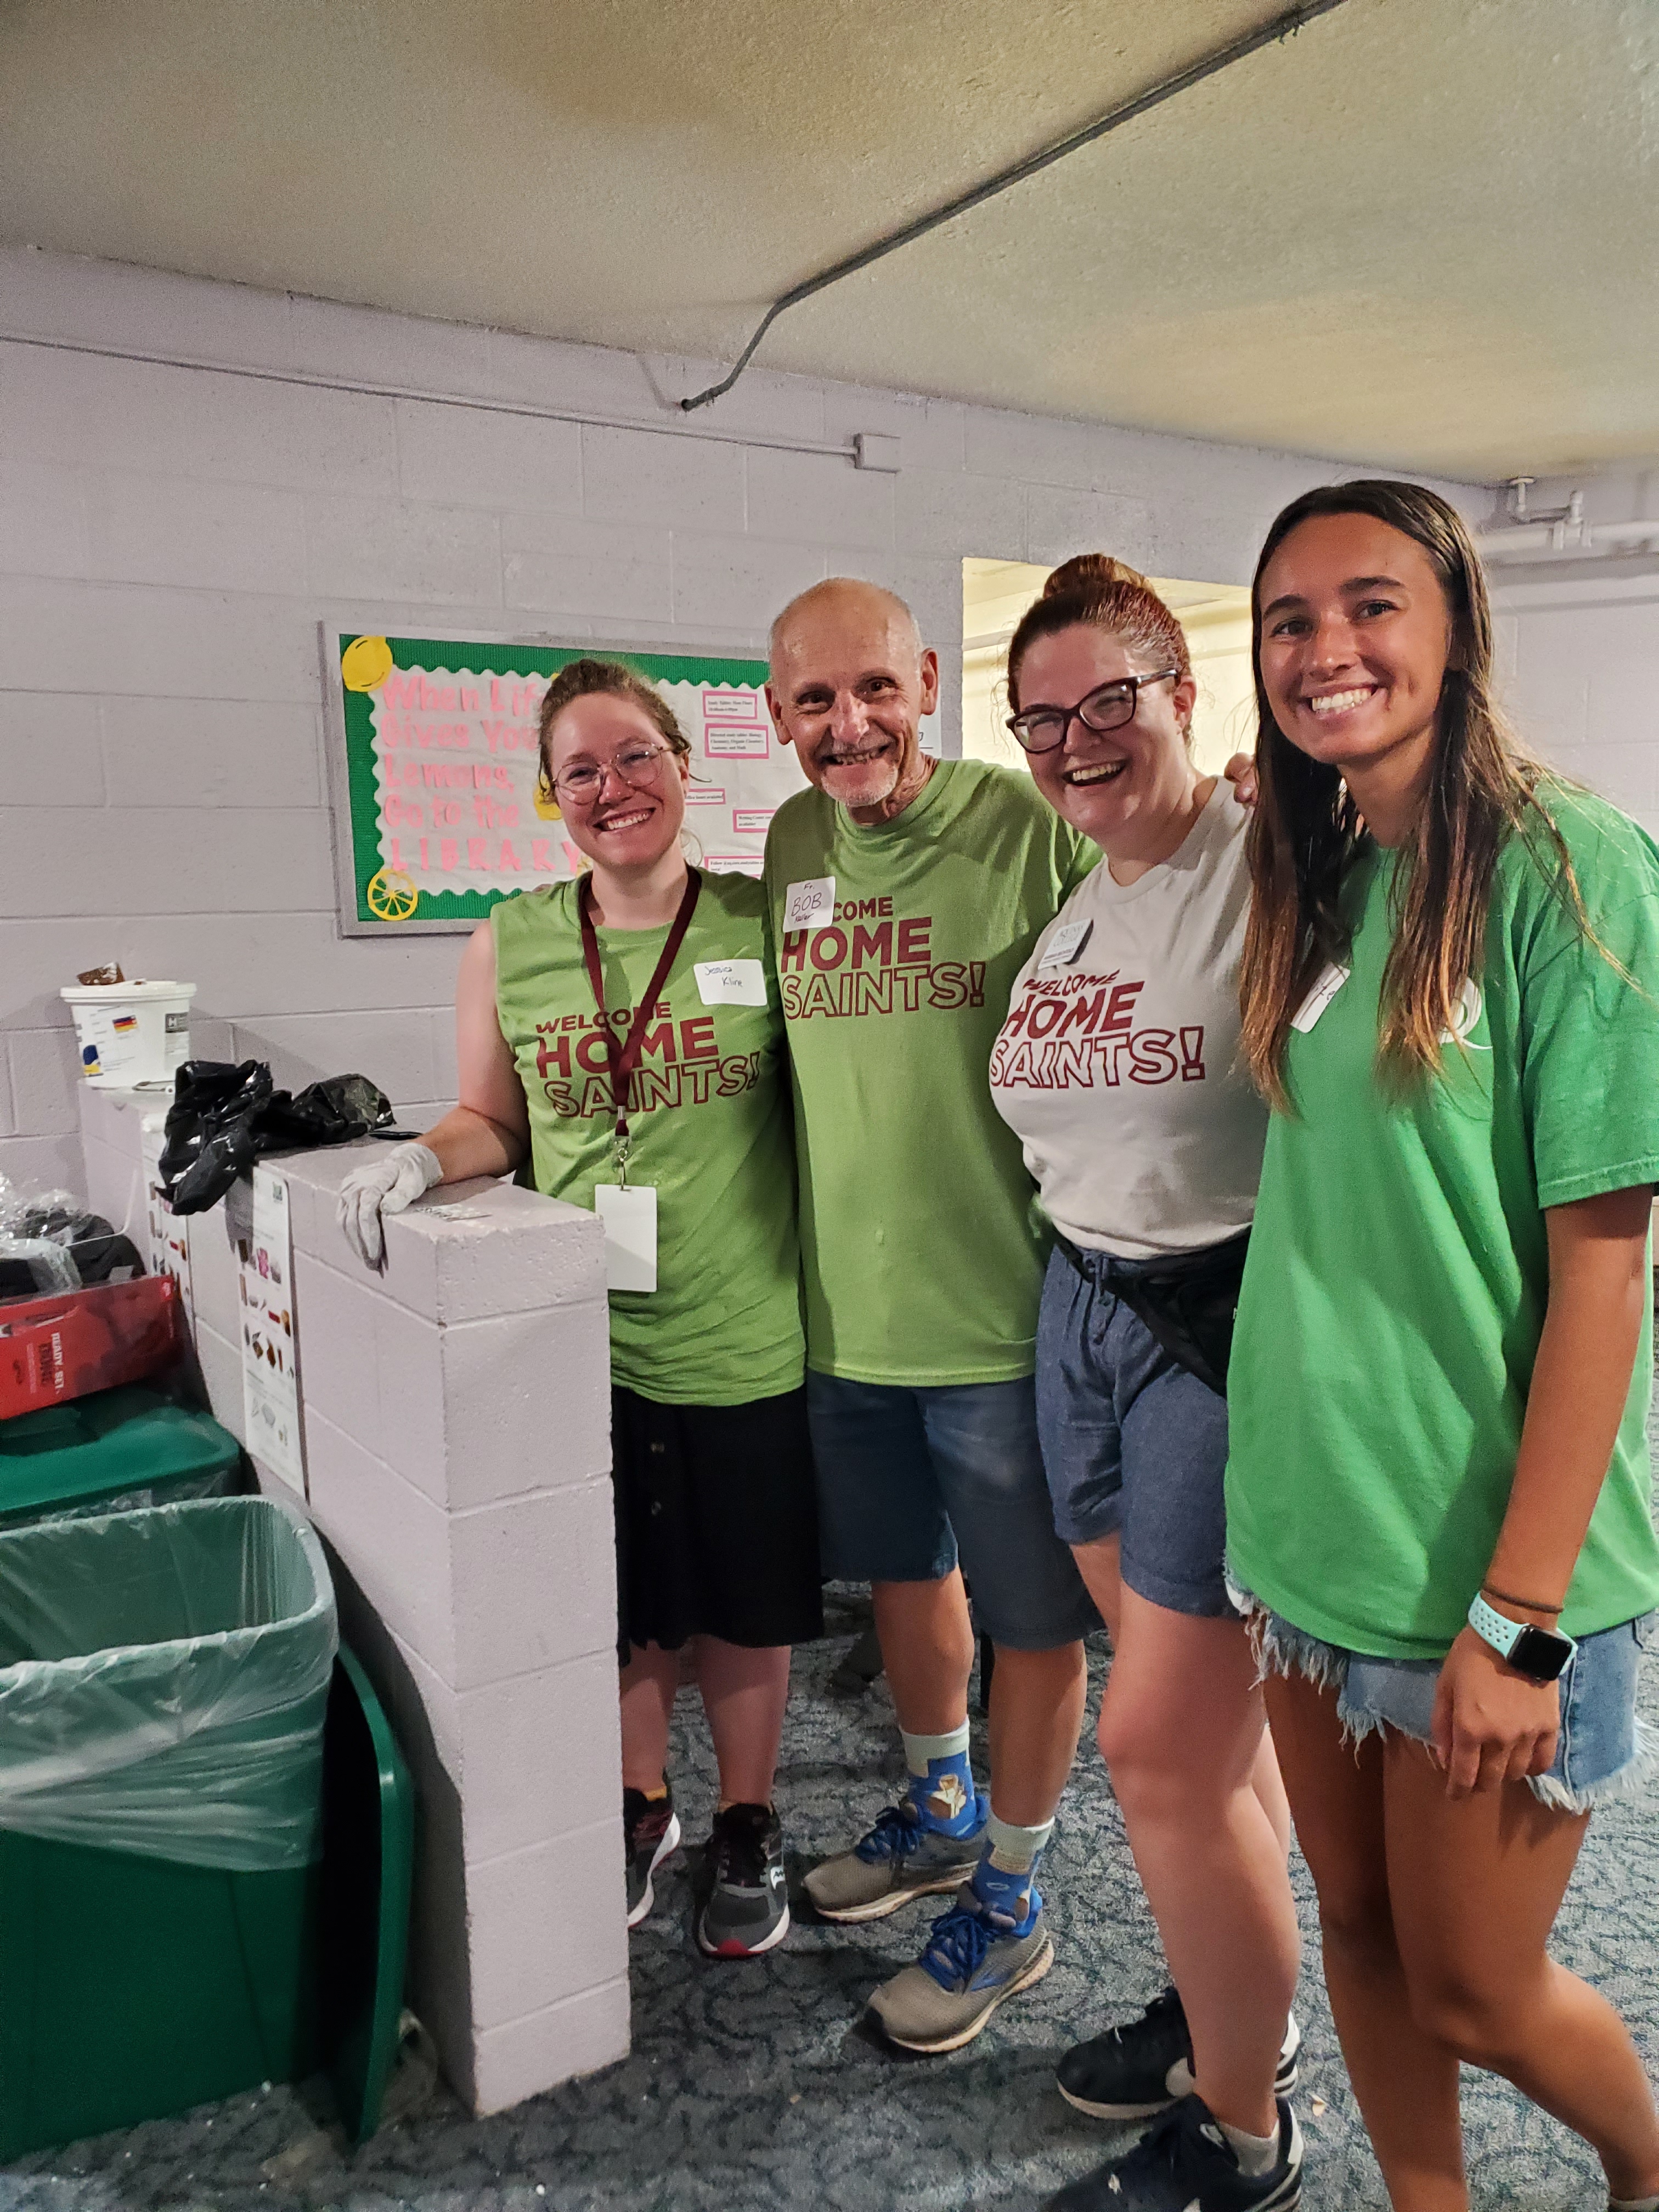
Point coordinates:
[[357, 857]]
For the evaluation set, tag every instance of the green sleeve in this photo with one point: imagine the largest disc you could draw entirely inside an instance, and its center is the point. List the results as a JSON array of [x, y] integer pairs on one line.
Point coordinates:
[[1077, 856], [1589, 1032]]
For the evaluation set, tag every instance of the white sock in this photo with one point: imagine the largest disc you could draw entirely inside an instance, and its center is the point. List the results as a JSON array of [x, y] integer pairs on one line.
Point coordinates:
[[1016, 1849], [920, 1749], [1633, 2205], [1256, 2154]]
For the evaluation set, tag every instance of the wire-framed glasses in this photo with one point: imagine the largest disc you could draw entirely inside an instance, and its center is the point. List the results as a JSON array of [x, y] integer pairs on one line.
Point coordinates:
[[638, 765], [1109, 706]]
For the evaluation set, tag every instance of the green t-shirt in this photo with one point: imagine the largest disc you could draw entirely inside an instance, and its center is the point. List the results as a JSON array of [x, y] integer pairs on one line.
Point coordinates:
[[708, 1119], [921, 1260], [1399, 1272]]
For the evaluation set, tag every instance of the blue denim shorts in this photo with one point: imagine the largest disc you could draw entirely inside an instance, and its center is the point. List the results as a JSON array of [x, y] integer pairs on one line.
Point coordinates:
[[1132, 1444], [907, 1475], [1602, 1751]]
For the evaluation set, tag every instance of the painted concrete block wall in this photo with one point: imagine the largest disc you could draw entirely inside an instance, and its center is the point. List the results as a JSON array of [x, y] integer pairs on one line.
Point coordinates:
[[1579, 649], [169, 538], [457, 1440]]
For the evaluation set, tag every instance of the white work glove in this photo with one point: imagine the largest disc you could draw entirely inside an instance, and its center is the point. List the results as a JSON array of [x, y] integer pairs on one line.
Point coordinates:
[[384, 1186]]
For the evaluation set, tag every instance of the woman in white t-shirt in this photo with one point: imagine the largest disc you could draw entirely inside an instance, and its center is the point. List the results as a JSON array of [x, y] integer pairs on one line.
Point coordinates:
[[1116, 1067]]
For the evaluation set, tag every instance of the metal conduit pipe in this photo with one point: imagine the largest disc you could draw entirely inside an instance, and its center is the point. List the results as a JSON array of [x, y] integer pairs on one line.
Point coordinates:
[[1567, 541], [1280, 27]]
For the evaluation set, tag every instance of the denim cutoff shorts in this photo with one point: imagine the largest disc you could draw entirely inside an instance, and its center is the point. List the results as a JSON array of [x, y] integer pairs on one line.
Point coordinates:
[[1134, 1445], [1602, 1751], [906, 1475]]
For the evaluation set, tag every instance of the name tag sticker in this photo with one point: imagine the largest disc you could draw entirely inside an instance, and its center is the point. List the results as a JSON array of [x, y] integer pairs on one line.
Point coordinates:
[[1064, 946], [1325, 988], [810, 904], [630, 1235], [731, 982]]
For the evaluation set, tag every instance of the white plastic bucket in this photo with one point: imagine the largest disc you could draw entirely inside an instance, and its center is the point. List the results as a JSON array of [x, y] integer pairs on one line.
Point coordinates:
[[130, 1033]]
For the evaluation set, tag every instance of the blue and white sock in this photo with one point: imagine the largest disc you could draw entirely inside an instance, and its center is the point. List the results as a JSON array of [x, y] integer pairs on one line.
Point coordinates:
[[942, 1782], [1005, 1881]]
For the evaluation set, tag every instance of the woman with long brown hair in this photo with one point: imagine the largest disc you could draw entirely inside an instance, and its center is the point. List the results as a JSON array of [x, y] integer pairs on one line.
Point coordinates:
[[1438, 1484]]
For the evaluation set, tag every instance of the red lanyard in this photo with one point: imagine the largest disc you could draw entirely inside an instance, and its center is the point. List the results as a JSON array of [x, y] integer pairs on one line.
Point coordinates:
[[622, 1056]]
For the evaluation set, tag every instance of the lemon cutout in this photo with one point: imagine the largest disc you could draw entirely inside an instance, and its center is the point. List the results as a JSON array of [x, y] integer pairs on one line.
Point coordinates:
[[548, 807], [392, 897], [365, 664]]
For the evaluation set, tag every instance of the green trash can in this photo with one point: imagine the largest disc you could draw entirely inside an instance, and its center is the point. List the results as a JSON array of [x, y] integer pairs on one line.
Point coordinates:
[[111, 1452], [164, 1676]]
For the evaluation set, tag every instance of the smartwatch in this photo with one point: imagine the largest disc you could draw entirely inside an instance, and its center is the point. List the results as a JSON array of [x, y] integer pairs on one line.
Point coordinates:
[[1539, 1654]]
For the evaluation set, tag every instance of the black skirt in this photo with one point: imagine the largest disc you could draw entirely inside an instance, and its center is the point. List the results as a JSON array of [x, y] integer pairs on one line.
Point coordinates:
[[717, 1526]]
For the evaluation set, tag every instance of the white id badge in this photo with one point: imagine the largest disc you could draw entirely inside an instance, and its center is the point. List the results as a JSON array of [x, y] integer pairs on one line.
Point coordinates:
[[731, 982], [810, 904], [1064, 946], [1325, 988], [630, 1235]]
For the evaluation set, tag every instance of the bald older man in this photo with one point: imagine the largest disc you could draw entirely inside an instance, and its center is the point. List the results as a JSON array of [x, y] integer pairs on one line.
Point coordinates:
[[905, 895]]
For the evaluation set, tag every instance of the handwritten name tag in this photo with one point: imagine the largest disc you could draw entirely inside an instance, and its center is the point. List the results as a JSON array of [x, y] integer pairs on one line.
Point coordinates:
[[810, 904], [731, 982], [1325, 988]]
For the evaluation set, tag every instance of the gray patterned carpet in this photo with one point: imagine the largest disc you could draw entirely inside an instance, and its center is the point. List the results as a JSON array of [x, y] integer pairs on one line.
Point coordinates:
[[754, 2087]]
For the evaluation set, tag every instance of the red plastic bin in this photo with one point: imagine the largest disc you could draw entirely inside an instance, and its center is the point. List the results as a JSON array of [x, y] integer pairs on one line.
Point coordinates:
[[74, 1342]]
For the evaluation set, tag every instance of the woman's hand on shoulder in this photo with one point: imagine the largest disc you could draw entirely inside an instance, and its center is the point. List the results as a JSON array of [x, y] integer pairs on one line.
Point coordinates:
[[1241, 773], [1490, 1724]]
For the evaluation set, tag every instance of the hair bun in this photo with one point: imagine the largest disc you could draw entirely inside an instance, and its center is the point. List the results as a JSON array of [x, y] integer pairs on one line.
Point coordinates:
[[1091, 572]]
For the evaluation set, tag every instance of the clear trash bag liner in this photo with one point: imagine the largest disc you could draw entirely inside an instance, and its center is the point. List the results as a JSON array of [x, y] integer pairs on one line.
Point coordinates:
[[163, 1679]]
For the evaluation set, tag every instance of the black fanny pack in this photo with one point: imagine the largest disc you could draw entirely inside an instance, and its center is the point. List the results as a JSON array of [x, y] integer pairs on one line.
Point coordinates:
[[1189, 1303]]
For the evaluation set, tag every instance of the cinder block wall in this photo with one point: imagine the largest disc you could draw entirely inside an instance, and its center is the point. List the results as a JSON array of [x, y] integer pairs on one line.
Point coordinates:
[[169, 538], [1578, 647], [457, 1450]]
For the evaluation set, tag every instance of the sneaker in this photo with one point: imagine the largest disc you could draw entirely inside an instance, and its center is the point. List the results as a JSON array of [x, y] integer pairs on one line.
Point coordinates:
[[1141, 2068], [745, 1910], [901, 1858], [1186, 2164], [651, 1829], [975, 1960]]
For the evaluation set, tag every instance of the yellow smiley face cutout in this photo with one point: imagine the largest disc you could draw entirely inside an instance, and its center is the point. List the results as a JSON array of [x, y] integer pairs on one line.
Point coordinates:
[[392, 897], [365, 664]]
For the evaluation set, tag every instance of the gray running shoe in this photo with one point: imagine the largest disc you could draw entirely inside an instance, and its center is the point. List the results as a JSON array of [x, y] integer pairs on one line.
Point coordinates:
[[898, 1860], [974, 1960], [746, 1910], [651, 1829]]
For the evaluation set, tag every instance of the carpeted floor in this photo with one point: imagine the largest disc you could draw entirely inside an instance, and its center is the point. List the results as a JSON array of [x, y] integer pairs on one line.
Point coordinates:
[[755, 2087]]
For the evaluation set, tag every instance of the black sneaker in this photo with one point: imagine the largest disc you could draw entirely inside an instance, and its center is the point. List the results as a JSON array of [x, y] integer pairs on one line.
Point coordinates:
[[745, 1910], [651, 1829], [1186, 2164], [1141, 2068]]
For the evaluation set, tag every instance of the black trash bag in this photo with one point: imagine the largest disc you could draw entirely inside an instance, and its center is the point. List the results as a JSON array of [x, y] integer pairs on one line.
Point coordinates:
[[100, 1253], [336, 1111], [210, 1139], [223, 1118]]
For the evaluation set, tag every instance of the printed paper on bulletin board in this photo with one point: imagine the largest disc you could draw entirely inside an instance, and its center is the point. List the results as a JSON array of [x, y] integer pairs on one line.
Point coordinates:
[[438, 809]]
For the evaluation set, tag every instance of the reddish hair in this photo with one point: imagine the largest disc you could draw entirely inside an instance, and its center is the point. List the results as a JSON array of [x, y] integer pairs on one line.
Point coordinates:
[[580, 679], [1105, 594]]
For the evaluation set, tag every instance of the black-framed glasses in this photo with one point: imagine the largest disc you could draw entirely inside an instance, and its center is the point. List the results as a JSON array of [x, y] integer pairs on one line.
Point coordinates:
[[637, 765], [1109, 706]]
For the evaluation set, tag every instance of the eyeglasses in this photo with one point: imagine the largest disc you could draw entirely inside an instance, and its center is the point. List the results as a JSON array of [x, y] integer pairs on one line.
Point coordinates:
[[1041, 729], [637, 765]]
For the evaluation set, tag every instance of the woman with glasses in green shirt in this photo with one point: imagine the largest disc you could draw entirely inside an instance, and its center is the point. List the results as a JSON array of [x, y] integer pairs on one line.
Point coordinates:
[[621, 1045]]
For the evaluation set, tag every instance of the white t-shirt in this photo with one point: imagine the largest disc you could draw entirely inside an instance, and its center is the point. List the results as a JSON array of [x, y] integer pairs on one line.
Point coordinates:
[[1117, 1065]]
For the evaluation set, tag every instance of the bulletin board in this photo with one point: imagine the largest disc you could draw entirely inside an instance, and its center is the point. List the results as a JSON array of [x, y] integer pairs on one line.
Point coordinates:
[[433, 770]]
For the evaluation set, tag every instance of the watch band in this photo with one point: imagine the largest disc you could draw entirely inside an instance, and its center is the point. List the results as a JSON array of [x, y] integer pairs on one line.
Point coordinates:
[[1504, 1634], [1494, 1628]]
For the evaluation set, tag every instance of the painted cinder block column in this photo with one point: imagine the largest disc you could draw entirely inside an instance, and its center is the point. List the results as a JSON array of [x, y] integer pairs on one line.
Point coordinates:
[[457, 1444]]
